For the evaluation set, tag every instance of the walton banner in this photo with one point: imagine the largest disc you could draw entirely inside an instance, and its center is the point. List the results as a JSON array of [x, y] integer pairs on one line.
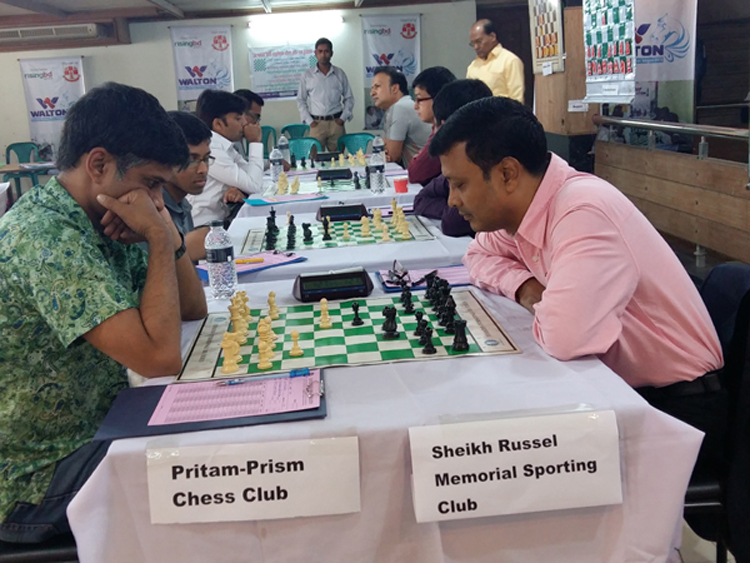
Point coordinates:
[[389, 41], [202, 59], [276, 71], [665, 39], [51, 86]]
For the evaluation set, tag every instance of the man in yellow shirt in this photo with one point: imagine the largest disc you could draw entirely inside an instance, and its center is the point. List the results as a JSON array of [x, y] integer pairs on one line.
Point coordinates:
[[497, 67]]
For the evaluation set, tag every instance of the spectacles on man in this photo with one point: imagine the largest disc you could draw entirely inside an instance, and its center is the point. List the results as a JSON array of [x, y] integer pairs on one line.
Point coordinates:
[[420, 100], [208, 160], [255, 116]]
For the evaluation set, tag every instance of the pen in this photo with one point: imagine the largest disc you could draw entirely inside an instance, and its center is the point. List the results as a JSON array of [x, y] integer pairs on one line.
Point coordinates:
[[301, 372], [248, 260]]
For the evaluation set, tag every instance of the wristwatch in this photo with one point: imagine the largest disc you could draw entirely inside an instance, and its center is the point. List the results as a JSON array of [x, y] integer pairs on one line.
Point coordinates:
[[180, 251]]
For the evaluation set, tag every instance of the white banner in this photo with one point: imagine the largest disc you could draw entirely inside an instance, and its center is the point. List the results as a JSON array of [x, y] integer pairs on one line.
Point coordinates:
[[51, 86], [202, 59], [389, 41], [665, 39], [276, 71]]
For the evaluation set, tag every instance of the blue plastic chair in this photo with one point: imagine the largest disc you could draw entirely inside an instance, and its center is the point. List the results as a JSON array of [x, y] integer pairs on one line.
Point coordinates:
[[300, 148], [352, 142], [268, 133], [23, 152], [295, 130]]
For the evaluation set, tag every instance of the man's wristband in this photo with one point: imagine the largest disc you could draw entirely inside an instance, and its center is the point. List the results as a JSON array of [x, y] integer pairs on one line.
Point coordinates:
[[179, 253]]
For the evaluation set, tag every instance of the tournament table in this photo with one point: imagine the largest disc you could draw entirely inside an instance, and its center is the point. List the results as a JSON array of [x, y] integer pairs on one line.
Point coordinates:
[[378, 403]]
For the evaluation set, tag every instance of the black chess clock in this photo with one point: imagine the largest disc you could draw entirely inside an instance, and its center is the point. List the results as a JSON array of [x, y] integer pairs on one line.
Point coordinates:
[[336, 284]]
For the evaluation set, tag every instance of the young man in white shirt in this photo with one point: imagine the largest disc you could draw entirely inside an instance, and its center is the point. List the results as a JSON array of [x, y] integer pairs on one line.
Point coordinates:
[[231, 178]]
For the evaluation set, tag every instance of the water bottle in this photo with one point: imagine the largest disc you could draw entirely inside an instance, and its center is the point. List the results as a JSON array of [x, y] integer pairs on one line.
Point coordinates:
[[277, 163], [284, 148], [378, 146], [222, 273], [377, 171]]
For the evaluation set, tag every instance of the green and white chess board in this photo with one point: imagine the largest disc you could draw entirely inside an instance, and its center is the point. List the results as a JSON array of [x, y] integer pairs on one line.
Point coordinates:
[[309, 187], [344, 344], [255, 240]]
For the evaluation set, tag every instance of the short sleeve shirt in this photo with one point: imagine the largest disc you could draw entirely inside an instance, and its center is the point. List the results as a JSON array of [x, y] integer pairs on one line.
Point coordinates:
[[403, 124], [180, 212], [59, 278]]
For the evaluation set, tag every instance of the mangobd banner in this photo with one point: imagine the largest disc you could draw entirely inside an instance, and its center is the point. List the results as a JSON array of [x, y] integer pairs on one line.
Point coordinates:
[[51, 86], [202, 59]]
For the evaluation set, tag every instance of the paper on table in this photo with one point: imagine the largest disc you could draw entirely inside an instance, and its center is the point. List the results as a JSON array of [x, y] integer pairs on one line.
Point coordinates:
[[270, 260], [210, 400], [273, 200]]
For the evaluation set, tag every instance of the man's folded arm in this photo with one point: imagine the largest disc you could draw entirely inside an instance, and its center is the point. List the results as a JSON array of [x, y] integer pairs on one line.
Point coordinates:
[[494, 264]]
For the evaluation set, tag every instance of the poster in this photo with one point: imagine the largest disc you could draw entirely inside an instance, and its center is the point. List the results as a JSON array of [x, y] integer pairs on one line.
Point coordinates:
[[51, 86], [389, 41], [202, 59], [545, 17], [609, 44], [665, 39], [276, 71]]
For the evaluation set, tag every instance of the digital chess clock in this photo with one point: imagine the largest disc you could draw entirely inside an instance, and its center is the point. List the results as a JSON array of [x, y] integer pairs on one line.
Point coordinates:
[[350, 212], [336, 284]]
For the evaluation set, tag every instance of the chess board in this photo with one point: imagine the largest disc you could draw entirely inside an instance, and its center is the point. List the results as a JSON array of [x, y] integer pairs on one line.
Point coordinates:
[[311, 187], [255, 238], [344, 344]]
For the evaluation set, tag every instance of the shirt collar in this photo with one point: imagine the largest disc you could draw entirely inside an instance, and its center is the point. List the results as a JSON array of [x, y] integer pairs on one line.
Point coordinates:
[[54, 195], [330, 72], [172, 205], [220, 141], [495, 53]]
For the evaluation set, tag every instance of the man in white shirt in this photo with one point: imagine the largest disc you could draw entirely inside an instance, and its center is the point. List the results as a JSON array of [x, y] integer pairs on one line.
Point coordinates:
[[231, 178], [404, 132], [325, 99]]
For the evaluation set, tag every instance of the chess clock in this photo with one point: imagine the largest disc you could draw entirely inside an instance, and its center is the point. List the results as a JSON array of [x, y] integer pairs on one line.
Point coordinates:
[[350, 212], [333, 174], [336, 284]]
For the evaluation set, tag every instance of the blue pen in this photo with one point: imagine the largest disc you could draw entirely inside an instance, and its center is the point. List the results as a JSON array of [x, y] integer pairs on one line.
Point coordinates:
[[293, 373]]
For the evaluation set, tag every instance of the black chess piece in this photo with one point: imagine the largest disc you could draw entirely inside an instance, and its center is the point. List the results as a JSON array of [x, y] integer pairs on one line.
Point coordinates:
[[429, 347], [326, 225], [357, 185], [367, 178], [420, 328], [293, 163], [291, 221], [423, 337], [389, 326], [303, 162], [357, 320], [408, 304], [450, 325], [460, 342], [308, 236]]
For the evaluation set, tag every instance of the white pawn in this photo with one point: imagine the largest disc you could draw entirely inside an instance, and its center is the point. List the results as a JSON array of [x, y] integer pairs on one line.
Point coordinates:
[[345, 236], [273, 310], [263, 356], [296, 351], [295, 185], [325, 319], [385, 237]]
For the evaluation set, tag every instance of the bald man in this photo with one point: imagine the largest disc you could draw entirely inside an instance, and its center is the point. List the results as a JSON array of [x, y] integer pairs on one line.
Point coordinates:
[[497, 67]]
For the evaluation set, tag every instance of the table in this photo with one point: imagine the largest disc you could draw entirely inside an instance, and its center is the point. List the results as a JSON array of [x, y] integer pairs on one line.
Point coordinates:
[[40, 169], [441, 251], [350, 196], [110, 515]]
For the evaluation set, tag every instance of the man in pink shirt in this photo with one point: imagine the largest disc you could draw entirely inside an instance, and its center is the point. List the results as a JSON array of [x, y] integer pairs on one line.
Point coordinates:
[[575, 252]]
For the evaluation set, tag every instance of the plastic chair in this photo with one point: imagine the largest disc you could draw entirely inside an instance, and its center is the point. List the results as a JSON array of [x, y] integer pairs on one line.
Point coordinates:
[[23, 152], [61, 549], [268, 133], [726, 293], [295, 130], [352, 142], [300, 148]]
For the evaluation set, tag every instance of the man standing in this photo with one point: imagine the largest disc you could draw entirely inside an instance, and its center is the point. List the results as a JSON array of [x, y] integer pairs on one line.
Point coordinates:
[[404, 132], [575, 252], [497, 67], [231, 178], [79, 303], [325, 99]]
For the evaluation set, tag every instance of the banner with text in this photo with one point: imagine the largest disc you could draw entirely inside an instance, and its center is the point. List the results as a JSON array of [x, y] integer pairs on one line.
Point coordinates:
[[202, 59], [51, 86], [276, 71], [389, 41], [665, 39]]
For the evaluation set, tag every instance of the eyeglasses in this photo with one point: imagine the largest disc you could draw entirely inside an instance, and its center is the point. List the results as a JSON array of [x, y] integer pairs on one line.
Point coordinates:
[[255, 116], [420, 100], [208, 160]]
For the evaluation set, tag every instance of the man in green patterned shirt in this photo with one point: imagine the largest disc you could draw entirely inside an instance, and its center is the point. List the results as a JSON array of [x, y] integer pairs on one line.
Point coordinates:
[[79, 302]]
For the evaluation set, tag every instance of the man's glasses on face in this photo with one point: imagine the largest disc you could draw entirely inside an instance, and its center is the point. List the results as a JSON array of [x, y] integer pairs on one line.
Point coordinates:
[[420, 100], [252, 117], [208, 160]]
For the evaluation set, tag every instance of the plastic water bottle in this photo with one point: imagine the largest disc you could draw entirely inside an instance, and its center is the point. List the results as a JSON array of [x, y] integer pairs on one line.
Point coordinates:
[[284, 148], [222, 273], [377, 171], [277, 163], [378, 146]]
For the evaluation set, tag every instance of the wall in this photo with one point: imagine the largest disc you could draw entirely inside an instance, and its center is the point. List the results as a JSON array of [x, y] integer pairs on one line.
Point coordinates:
[[148, 63]]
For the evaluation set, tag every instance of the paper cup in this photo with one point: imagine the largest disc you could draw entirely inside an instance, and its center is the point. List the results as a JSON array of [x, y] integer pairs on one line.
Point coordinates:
[[401, 185]]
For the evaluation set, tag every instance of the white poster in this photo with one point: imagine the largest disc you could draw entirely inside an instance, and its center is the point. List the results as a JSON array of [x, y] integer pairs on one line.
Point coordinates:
[[202, 59], [665, 39], [389, 41], [51, 86], [276, 71]]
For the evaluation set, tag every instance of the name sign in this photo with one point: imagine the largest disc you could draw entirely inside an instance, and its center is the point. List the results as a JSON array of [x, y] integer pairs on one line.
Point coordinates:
[[516, 465], [261, 481]]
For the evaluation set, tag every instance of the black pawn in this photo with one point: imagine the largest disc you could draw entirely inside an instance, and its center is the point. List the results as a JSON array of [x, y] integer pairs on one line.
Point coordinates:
[[460, 342], [303, 162], [293, 163], [357, 185], [429, 347], [450, 326], [420, 328], [425, 328], [357, 320]]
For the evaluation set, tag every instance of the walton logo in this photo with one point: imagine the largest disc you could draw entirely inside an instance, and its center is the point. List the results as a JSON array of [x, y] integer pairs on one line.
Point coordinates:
[[46, 103], [666, 41], [383, 59], [196, 72], [409, 31], [190, 44], [380, 31], [70, 74], [220, 43], [48, 109], [40, 75], [197, 78]]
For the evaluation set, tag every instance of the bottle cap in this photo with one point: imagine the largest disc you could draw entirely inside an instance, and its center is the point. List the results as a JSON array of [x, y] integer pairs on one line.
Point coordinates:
[[216, 223]]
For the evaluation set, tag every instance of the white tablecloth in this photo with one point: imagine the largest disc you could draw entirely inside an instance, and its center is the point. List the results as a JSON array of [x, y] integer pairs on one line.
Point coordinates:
[[441, 251], [110, 515]]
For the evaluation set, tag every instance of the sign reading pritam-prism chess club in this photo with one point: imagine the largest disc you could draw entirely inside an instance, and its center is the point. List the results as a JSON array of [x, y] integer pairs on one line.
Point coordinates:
[[262, 481], [516, 465]]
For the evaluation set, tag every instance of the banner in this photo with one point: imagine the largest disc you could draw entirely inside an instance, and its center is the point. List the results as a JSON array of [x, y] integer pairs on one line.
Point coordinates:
[[665, 39], [276, 71], [546, 19], [202, 59], [51, 86], [389, 41]]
